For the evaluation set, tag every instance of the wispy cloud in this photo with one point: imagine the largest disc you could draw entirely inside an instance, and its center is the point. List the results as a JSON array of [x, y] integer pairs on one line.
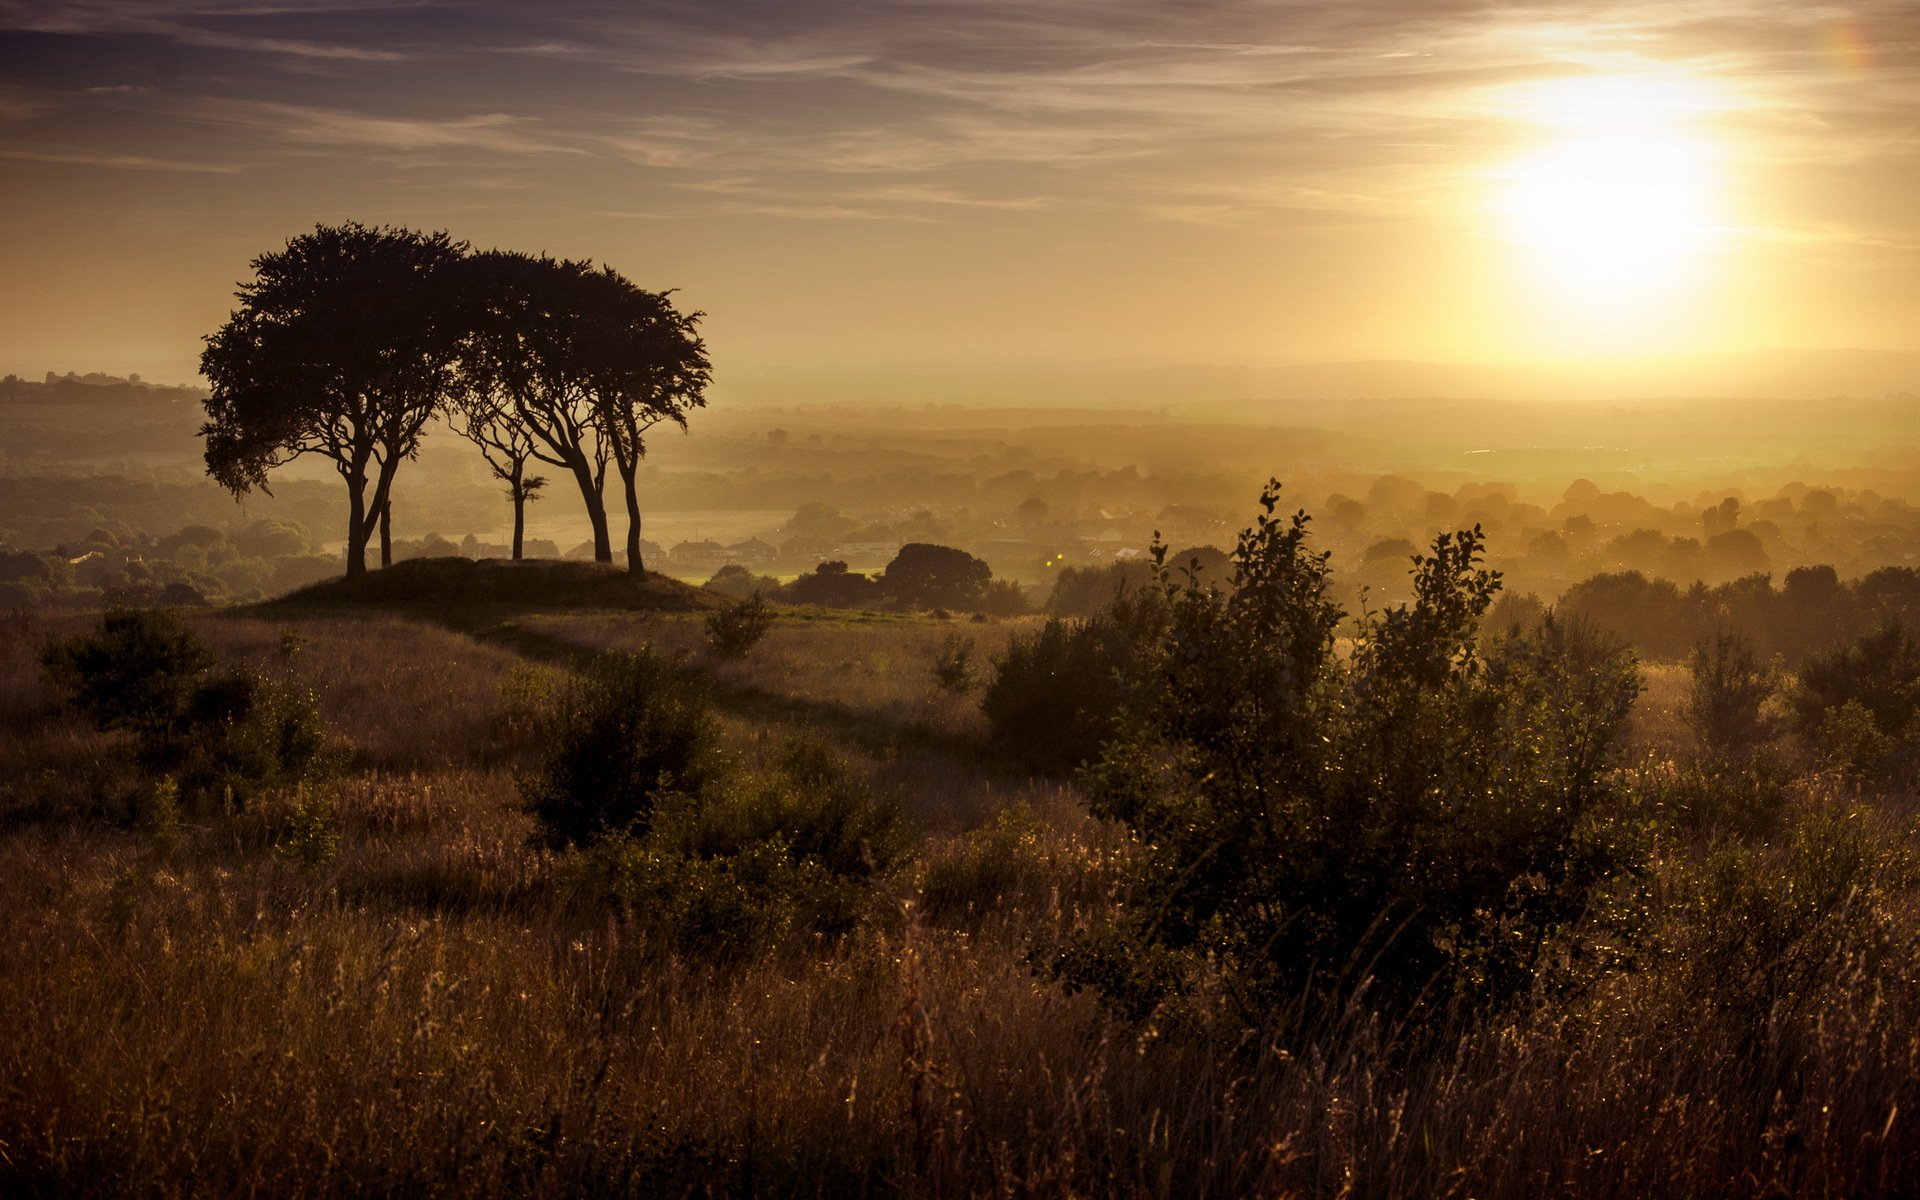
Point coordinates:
[[116, 162], [499, 133]]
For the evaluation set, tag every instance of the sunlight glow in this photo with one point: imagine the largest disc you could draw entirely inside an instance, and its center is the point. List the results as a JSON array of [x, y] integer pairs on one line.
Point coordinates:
[[1613, 212]]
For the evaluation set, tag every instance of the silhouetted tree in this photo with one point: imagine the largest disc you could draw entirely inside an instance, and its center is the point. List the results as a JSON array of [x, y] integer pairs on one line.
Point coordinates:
[[936, 576], [525, 316], [642, 364], [485, 416], [343, 345]]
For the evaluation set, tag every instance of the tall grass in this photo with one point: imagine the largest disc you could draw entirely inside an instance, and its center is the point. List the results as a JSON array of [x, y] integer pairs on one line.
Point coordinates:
[[431, 1008]]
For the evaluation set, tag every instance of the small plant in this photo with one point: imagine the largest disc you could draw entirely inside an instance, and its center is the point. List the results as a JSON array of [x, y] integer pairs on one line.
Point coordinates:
[[953, 669], [312, 836], [161, 820], [738, 628]]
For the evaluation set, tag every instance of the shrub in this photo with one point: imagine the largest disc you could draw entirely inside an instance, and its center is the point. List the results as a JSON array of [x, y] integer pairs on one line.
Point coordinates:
[[751, 861], [1416, 822], [138, 671], [953, 665], [1880, 673], [1728, 690], [1056, 695], [230, 736], [629, 730], [738, 628]]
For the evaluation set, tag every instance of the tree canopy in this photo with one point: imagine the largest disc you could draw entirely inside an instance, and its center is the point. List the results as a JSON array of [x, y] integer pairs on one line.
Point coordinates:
[[351, 338]]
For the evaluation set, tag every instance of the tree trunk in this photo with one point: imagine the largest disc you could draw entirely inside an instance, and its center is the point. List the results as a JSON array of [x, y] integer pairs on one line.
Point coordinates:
[[386, 534], [356, 524], [627, 483], [596, 505], [519, 505]]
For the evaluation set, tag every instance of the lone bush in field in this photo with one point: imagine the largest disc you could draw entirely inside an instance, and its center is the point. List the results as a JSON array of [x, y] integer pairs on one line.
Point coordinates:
[[229, 736], [628, 731], [758, 858], [1414, 821], [1056, 695], [738, 628], [1729, 688]]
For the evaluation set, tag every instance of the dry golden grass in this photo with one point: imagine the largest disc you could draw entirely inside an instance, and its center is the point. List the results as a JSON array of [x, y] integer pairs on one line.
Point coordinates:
[[432, 1009]]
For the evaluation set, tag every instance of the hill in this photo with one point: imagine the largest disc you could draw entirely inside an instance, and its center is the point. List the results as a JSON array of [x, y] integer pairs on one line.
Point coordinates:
[[445, 583]]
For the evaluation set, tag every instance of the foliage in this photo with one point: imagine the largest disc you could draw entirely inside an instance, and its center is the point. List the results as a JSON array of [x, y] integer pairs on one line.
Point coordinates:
[[313, 836], [138, 671], [754, 860], [924, 575], [230, 736], [1880, 673], [1056, 695], [738, 628], [831, 585], [343, 345], [738, 583], [628, 731], [1416, 822], [1728, 689]]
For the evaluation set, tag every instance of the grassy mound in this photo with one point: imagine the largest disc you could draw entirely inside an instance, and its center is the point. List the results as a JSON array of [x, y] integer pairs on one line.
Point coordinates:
[[533, 583]]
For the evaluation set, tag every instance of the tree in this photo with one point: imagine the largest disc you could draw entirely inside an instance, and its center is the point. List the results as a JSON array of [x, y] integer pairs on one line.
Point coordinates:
[[522, 348], [574, 365], [484, 416], [343, 345], [936, 576], [642, 364]]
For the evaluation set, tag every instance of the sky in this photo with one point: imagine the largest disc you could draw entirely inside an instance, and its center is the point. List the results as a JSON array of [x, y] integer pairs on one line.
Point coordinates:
[[1059, 184]]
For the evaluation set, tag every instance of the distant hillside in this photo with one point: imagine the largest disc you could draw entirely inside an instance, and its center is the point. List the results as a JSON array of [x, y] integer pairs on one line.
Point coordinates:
[[97, 419]]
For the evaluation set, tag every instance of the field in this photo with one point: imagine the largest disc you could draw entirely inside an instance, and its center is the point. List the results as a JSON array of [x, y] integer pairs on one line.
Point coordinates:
[[409, 993]]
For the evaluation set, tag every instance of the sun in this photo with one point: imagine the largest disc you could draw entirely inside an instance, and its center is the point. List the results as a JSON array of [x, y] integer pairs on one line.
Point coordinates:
[[1613, 208], [1624, 212]]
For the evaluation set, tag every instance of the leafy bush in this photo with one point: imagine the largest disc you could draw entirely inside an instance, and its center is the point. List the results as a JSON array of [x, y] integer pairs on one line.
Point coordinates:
[[1716, 797], [1729, 688], [1416, 821], [738, 628], [629, 730], [138, 671], [229, 736], [751, 862], [1056, 695], [1880, 673]]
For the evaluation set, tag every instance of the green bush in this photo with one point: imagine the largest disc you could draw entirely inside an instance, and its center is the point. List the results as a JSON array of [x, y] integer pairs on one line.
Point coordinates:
[[1056, 695], [1880, 672], [1414, 822], [953, 670], [627, 731]]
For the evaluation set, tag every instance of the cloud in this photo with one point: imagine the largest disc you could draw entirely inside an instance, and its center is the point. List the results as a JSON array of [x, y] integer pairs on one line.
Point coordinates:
[[495, 132], [116, 162]]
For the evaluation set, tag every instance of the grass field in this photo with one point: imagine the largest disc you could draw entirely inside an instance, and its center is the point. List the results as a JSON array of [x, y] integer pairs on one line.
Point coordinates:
[[438, 1004]]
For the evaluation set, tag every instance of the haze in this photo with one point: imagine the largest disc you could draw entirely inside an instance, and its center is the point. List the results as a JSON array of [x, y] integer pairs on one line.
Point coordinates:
[[871, 192]]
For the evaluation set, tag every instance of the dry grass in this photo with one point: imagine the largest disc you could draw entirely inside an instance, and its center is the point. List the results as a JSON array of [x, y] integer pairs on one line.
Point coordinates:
[[433, 1009]]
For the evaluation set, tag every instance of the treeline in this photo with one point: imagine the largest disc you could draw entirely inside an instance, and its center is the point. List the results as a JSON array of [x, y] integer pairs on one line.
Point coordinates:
[[351, 340], [1812, 612], [921, 576]]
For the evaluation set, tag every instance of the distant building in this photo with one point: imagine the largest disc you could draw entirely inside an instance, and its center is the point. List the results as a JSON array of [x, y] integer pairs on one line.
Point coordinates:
[[698, 557], [753, 552]]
